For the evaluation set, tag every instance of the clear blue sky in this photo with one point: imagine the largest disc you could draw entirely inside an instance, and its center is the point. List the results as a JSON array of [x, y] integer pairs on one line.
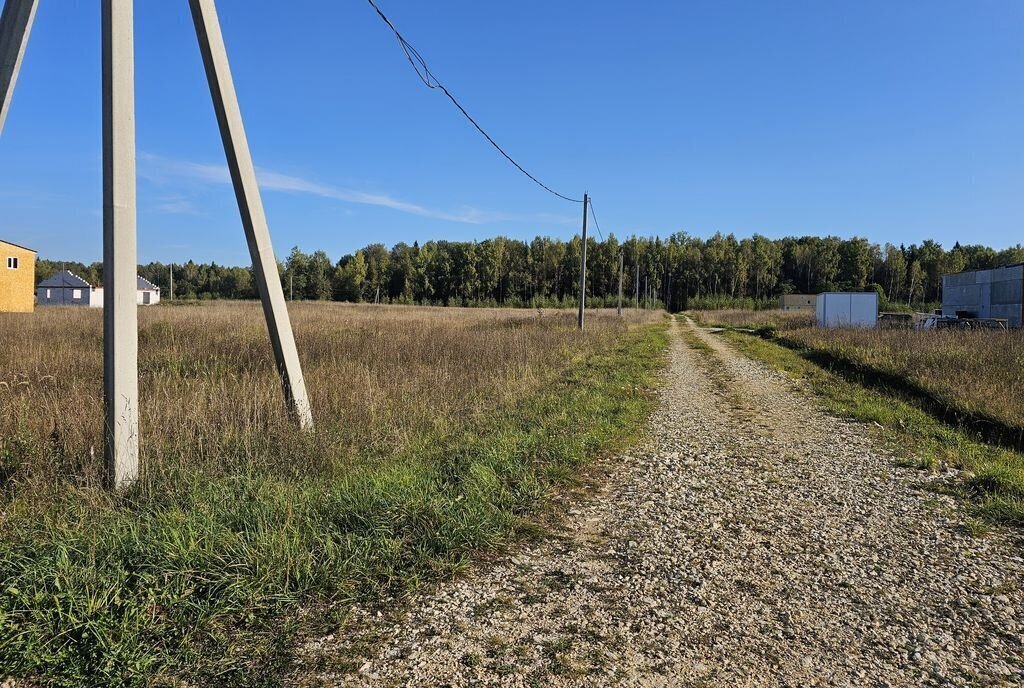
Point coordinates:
[[897, 121]]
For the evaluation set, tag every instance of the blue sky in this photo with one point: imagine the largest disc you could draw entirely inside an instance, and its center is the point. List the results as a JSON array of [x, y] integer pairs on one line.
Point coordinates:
[[897, 121]]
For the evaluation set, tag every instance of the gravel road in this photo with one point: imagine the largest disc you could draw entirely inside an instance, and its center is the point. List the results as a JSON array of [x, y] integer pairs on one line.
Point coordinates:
[[752, 541]]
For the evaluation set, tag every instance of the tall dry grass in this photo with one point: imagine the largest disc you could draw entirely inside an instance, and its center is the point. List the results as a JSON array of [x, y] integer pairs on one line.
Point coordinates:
[[979, 373], [751, 319], [380, 379], [438, 430], [976, 374]]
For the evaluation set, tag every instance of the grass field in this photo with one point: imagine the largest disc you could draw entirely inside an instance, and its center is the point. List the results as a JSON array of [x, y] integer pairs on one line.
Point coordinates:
[[753, 320], [438, 431], [947, 397], [978, 374], [975, 376]]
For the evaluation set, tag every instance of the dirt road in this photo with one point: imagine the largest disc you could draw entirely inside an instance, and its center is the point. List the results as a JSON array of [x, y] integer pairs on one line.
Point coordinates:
[[752, 541]]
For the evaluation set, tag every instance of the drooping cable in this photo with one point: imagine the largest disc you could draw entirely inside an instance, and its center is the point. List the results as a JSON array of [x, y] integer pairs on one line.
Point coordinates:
[[432, 82]]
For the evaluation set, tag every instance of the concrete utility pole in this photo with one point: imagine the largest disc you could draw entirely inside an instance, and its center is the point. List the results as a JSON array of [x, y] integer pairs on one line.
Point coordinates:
[[170, 270], [120, 314], [250, 205], [636, 287], [15, 27], [622, 258], [120, 261], [583, 264]]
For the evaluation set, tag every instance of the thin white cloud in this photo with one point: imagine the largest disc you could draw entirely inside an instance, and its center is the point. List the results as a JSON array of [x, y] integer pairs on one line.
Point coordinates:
[[177, 206], [163, 171]]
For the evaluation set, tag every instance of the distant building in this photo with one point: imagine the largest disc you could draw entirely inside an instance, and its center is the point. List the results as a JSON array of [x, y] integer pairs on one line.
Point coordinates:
[[847, 309], [997, 293], [798, 302], [17, 275], [148, 293], [66, 288]]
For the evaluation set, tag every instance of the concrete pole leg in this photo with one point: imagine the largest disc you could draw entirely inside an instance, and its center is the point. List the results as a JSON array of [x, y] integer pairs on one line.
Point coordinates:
[[120, 312], [250, 205], [15, 27]]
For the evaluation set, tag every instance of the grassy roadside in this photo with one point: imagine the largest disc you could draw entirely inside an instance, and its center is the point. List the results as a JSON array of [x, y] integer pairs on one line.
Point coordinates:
[[205, 585], [971, 379], [993, 477]]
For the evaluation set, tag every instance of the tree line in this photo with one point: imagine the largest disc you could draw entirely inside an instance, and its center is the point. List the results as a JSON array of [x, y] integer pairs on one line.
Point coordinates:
[[679, 272]]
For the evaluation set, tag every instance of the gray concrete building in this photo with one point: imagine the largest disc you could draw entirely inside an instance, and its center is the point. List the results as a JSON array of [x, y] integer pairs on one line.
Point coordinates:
[[997, 293]]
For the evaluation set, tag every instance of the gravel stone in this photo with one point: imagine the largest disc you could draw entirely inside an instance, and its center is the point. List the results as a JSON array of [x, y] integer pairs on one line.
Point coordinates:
[[753, 540]]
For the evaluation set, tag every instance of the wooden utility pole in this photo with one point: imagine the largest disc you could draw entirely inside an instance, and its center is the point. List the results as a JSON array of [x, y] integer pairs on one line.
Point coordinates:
[[250, 205], [15, 27], [622, 258], [583, 264], [636, 287], [170, 270], [120, 260]]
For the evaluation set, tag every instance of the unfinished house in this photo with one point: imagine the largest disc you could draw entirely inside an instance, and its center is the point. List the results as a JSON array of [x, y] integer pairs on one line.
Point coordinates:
[[17, 275]]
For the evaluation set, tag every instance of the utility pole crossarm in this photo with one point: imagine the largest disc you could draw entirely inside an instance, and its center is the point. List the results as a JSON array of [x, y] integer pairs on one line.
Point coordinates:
[[250, 205], [15, 27]]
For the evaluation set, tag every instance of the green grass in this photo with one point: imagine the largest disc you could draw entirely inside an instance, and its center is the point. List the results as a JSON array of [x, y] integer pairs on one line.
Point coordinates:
[[972, 379], [208, 581], [993, 478]]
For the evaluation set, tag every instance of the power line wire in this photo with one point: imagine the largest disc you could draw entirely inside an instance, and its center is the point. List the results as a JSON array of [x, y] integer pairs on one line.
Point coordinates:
[[594, 215], [432, 82]]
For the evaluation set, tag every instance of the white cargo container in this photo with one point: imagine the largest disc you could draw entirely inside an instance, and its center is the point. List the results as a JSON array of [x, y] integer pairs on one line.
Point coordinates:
[[847, 309]]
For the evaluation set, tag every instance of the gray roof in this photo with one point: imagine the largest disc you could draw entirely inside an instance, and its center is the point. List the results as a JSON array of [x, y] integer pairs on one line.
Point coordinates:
[[65, 279]]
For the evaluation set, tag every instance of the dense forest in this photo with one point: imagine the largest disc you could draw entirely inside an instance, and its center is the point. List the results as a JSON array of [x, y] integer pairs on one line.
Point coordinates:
[[679, 272]]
